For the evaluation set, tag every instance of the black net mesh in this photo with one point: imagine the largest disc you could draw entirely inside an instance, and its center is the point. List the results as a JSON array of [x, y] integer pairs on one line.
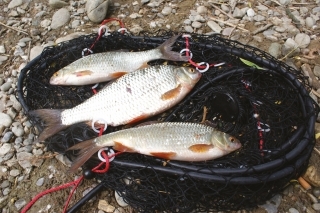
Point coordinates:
[[268, 110]]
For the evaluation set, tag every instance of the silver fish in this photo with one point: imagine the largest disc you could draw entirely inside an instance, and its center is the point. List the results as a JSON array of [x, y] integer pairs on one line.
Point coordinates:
[[173, 141], [106, 66], [129, 99]]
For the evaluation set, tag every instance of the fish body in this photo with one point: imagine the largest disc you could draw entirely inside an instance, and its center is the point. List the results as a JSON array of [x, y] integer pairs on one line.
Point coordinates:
[[173, 141], [107, 66], [129, 99]]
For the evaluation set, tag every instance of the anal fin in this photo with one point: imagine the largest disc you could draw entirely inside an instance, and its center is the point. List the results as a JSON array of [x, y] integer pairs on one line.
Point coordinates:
[[122, 148], [118, 74]]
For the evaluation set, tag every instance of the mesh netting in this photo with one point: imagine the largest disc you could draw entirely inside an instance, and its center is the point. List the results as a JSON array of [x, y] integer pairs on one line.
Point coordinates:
[[268, 110]]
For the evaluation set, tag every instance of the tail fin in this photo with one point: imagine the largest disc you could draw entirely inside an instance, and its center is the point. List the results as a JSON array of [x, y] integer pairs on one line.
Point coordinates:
[[167, 54], [88, 148], [52, 119]]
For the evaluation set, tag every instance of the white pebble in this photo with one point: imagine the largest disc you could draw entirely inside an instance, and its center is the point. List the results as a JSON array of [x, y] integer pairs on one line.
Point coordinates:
[[250, 12], [2, 49], [188, 29], [166, 11], [196, 24], [202, 9], [40, 181]]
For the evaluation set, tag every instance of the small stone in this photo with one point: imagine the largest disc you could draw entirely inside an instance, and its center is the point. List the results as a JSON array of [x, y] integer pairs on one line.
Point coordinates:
[[21, 44], [75, 24], [2, 49], [3, 58], [14, 172], [7, 136], [166, 11], [214, 26], [57, 3], [293, 210], [196, 24], [136, 29], [14, 3], [250, 12], [6, 191], [60, 18], [6, 86], [199, 18], [13, 13], [259, 18], [105, 206], [262, 7], [310, 22], [316, 206], [302, 40], [5, 184], [5, 120], [187, 22], [20, 203], [35, 51], [12, 113], [40, 181], [24, 159], [225, 8], [285, 2], [45, 23], [202, 10], [5, 148], [227, 31], [81, 10], [97, 10], [316, 70], [21, 11], [237, 13], [274, 49], [120, 199], [144, 1], [316, 192], [188, 29], [17, 129]]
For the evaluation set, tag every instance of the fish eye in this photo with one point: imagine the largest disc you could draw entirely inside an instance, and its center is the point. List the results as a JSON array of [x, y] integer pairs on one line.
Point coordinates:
[[191, 70], [232, 139]]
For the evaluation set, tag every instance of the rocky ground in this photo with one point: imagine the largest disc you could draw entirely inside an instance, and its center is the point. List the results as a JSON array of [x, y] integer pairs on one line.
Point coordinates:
[[288, 30]]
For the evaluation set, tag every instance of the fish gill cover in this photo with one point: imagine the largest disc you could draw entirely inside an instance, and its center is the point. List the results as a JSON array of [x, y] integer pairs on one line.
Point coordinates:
[[252, 96]]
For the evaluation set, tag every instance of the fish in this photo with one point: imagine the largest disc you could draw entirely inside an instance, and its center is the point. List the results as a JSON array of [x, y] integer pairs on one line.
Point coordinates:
[[181, 141], [129, 99], [102, 67]]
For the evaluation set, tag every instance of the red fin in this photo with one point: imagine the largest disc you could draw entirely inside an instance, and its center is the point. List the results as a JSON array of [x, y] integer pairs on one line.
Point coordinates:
[[144, 65], [52, 119], [122, 148], [137, 119], [83, 73], [167, 54], [118, 74], [200, 148], [88, 148], [171, 93], [164, 155]]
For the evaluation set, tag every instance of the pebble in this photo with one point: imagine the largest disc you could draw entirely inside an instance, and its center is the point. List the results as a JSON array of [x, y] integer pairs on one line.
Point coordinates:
[[274, 49], [40, 181], [24, 159], [166, 11], [17, 129], [259, 18], [5, 120], [302, 40], [310, 22], [45, 23], [20, 203], [14, 3], [35, 51], [57, 3], [60, 18], [6, 86], [188, 29], [3, 58], [7, 136], [316, 206], [75, 24], [196, 24], [97, 10], [202, 10], [5, 148], [316, 70], [2, 49], [250, 12], [214, 26], [14, 172], [293, 210], [237, 13]]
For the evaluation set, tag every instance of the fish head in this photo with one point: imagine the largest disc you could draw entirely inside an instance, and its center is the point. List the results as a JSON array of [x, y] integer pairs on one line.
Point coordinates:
[[59, 77], [225, 141], [188, 75]]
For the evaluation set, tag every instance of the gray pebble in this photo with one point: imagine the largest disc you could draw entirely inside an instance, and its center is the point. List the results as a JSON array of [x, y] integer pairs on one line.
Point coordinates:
[[303, 10], [302, 40], [17, 129], [225, 8], [6, 86], [45, 23], [40, 181], [285, 2], [2, 49], [262, 7], [202, 10], [188, 29], [13, 13], [5, 148], [7, 136], [14, 3], [238, 13], [316, 10], [316, 206], [316, 70], [97, 10], [35, 51], [309, 22], [75, 24], [14, 172], [187, 21], [259, 18], [6, 191], [280, 29], [81, 10], [60, 18], [199, 18], [5, 120], [274, 49], [57, 3], [316, 192], [3, 58], [136, 29], [18, 140], [144, 1], [293, 210], [24, 159], [196, 24], [166, 11], [21, 44], [214, 26], [20, 203], [21, 11], [5, 184]]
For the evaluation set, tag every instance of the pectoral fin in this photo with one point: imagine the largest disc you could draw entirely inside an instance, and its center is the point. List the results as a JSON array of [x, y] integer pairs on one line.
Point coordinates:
[[144, 65], [118, 74], [171, 93], [200, 148], [137, 119], [164, 155], [83, 73]]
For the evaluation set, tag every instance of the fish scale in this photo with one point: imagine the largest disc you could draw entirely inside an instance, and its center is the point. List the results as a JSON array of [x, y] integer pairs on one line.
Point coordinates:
[[131, 98], [169, 140]]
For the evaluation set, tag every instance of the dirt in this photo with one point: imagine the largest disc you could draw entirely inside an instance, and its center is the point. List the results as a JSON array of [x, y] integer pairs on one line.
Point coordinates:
[[56, 174]]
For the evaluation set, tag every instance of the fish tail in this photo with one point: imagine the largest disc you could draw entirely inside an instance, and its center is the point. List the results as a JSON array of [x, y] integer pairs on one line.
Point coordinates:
[[168, 54], [87, 149], [52, 119]]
